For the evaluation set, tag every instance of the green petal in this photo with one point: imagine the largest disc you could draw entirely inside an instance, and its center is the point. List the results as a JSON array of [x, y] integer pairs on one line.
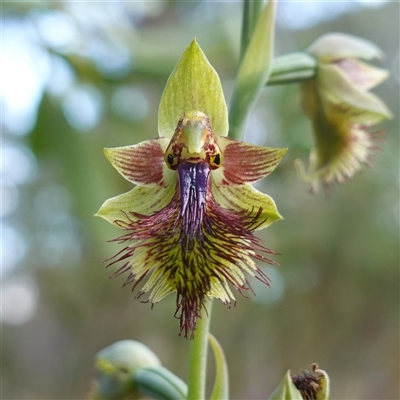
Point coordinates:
[[193, 86], [142, 200], [246, 198], [246, 163], [354, 104], [336, 46], [286, 390], [254, 70], [142, 163]]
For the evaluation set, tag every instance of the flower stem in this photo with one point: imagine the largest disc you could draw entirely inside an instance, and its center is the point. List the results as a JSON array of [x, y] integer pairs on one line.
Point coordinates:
[[245, 35], [198, 355], [257, 5], [291, 68]]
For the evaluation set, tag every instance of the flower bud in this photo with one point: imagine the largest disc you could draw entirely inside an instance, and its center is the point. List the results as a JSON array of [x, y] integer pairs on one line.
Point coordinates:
[[115, 366], [312, 385]]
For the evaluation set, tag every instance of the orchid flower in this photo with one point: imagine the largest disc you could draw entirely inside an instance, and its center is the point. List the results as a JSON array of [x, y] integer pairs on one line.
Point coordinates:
[[341, 108], [189, 223]]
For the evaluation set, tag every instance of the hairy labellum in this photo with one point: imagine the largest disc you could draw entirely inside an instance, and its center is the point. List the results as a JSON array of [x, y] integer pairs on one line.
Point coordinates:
[[193, 246]]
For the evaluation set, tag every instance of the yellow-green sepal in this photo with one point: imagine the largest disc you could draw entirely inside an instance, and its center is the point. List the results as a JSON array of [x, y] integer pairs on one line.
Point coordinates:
[[286, 390], [194, 85], [142, 200], [221, 385], [246, 197]]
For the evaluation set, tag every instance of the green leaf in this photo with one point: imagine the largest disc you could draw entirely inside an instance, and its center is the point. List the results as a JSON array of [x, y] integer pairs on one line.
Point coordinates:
[[253, 71], [286, 390], [160, 383], [221, 384], [193, 85], [336, 46]]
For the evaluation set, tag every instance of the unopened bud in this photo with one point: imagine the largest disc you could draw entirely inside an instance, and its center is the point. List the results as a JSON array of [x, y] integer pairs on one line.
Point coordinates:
[[115, 366]]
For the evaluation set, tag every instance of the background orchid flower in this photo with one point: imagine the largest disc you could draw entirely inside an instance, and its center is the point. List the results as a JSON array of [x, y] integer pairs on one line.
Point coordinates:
[[341, 109], [190, 220]]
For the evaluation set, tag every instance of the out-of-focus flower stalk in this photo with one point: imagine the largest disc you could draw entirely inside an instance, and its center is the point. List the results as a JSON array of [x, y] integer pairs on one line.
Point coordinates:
[[292, 68], [254, 68]]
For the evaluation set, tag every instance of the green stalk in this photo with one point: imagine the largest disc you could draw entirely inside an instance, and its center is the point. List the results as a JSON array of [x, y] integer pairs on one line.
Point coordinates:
[[245, 35], [198, 356], [251, 11], [292, 68], [255, 12], [253, 71]]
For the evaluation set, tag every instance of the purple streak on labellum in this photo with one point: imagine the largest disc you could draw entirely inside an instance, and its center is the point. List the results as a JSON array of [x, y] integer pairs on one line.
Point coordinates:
[[193, 185]]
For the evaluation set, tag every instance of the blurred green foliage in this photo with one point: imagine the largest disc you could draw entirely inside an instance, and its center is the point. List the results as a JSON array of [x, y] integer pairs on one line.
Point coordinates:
[[335, 298]]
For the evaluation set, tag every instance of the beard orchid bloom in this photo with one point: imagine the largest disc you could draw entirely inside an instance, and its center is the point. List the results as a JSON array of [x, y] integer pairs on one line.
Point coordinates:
[[341, 109], [189, 223]]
